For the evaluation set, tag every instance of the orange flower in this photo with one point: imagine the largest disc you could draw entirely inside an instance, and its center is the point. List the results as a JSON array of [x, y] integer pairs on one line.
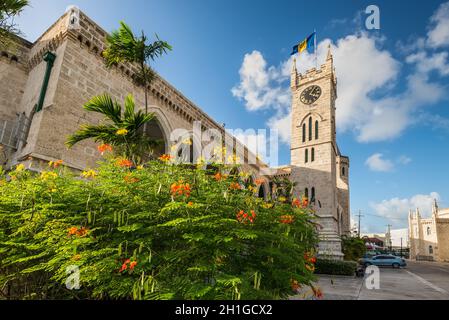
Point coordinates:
[[246, 217], [295, 285], [82, 232], [235, 186], [259, 181], [317, 293], [179, 189], [125, 163], [296, 203], [55, 164], [218, 176], [287, 219], [190, 204], [165, 158], [104, 147], [132, 265], [130, 179], [310, 267], [76, 257], [305, 202], [73, 231]]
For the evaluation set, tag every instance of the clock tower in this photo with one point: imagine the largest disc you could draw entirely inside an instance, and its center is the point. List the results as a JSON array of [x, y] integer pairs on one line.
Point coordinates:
[[316, 163]]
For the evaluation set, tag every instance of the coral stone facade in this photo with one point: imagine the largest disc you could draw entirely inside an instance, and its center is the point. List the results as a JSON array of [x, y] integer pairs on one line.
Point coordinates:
[[45, 84]]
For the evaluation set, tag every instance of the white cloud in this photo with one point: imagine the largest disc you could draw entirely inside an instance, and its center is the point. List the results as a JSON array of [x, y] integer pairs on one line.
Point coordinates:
[[367, 76], [438, 35], [426, 63], [404, 160], [397, 209], [377, 163], [258, 86]]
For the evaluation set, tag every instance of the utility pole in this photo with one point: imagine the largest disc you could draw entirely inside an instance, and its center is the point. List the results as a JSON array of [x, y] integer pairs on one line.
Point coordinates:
[[401, 247], [388, 236], [359, 215]]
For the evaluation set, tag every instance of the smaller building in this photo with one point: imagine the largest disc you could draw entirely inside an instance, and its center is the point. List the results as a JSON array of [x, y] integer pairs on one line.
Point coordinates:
[[429, 237]]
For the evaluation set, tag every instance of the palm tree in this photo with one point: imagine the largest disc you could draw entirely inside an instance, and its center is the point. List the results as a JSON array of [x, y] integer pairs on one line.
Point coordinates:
[[8, 28], [124, 46], [121, 130]]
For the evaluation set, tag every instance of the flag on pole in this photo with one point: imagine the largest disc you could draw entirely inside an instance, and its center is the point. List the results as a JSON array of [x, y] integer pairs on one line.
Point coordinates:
[[306, 44]]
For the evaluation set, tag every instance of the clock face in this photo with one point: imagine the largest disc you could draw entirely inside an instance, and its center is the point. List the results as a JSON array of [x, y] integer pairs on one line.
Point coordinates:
[[310, 94]]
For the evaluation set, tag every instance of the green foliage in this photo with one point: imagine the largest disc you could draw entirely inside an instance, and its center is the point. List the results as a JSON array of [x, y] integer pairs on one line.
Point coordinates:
[[353, 248], [134, 144], [335, 267], [124, 46], [8, 10], [159, 231]]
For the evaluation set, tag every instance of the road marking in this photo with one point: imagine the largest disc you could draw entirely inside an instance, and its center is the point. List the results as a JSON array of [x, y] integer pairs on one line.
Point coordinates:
[[434, 287]]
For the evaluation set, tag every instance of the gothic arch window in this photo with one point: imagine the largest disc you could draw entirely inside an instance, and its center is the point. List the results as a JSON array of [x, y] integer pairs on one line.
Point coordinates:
[[310, 129], [430, 250], [306, 193], [306, 156], [316, 130], [343, 171], [313, 155], [304, 133], [262, 192], [429, 231], [312, 196]]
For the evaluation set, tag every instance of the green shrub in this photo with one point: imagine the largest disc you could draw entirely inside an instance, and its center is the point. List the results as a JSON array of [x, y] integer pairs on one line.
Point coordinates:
[[335, 267], [161, 231], [353, 248]]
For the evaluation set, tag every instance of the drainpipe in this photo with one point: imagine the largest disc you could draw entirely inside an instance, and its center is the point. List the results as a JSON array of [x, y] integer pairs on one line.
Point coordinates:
[[50, 58]]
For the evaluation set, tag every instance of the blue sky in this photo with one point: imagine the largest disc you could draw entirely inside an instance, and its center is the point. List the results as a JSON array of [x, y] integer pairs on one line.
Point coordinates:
[[232, 59]]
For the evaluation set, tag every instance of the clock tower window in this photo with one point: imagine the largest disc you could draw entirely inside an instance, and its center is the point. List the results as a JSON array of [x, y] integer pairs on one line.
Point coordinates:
[[310, 129], [316, 129], [313, 155], [306, 156], [304, 133]]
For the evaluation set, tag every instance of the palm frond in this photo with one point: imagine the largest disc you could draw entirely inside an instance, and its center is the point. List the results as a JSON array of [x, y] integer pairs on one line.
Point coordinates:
[[105, 105], [101, 133]]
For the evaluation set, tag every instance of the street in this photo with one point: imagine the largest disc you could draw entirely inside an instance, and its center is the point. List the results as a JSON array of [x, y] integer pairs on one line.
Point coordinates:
[[418, 281]]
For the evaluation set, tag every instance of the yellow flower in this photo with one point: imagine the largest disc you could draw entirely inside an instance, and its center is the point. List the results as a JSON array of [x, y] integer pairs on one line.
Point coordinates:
[[187, 141], [282, 199], [201, 160], [20, 168], [89, 174], [267, 205], [140, 167], [46, 175], [122, 132], [233, 159]]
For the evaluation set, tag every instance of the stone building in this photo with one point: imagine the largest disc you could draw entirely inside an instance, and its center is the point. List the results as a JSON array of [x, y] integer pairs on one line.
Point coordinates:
[[429, 238], [45, 84]]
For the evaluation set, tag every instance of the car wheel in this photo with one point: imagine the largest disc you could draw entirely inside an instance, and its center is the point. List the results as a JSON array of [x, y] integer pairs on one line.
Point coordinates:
[[396, 265]]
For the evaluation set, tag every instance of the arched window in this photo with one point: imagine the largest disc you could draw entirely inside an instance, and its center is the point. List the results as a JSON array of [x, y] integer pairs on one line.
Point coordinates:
[[306, 193], [306, 156], [313, 155], [429, 231], [312, 197], [316, 130], [343, 171], [304, 132], [310, 129], [430, 250]]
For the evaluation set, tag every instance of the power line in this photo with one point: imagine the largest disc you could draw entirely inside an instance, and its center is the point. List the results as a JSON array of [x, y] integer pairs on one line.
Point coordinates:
[[360, 216]]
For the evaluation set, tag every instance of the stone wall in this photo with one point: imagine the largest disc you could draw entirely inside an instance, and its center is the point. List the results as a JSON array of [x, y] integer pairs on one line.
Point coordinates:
[[13, 76]]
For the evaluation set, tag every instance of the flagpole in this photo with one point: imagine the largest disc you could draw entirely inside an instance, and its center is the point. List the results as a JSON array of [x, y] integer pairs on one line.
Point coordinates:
[[316, 57]]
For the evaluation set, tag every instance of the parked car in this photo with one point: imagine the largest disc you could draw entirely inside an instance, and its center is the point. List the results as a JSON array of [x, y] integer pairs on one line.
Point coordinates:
[[383, 260]]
